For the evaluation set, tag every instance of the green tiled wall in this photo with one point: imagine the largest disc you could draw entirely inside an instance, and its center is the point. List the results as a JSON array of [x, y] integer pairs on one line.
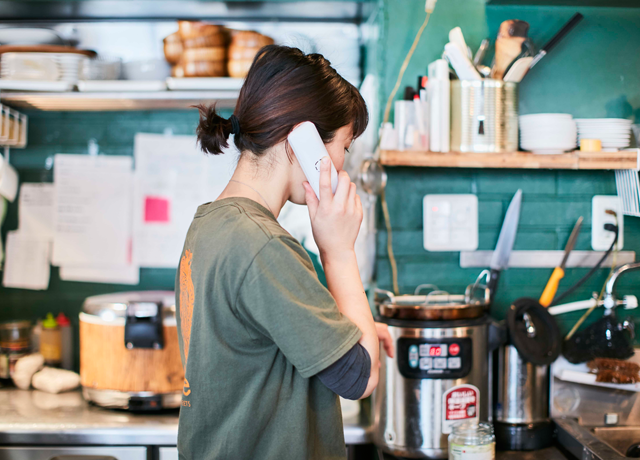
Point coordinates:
[[552, 202], [594, 72]]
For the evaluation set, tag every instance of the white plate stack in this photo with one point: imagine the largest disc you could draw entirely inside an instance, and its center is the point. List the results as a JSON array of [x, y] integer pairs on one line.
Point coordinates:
[[64, 67], [70, 66], [614, 133], [547, 133]]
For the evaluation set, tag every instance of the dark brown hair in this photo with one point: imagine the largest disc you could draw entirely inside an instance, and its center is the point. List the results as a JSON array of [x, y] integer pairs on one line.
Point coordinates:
[[284, 87]]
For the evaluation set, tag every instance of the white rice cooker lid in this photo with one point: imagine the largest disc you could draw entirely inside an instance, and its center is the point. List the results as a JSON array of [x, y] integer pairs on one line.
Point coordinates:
[[112, 308]]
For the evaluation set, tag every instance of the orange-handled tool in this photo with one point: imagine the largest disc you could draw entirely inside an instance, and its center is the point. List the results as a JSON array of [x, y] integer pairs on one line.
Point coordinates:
[[558, 273]]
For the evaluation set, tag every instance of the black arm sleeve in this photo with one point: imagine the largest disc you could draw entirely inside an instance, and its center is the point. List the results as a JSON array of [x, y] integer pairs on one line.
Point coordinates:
[[348, 376]]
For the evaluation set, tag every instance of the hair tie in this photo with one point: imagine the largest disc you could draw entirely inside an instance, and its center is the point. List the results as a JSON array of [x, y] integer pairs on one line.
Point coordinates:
[[235, 124]]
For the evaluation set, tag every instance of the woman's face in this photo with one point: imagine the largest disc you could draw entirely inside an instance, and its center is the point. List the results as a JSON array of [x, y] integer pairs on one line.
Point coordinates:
[[337, 149]]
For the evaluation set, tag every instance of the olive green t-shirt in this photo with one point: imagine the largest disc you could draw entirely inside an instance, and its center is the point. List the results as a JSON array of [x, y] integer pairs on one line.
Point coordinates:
[[255, 325]]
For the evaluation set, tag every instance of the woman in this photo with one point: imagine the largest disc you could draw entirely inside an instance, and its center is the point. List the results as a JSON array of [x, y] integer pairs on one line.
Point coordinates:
[[267, 348]]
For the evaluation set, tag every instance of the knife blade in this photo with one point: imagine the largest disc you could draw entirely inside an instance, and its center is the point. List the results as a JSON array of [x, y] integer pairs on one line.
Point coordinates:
[[500, 257]]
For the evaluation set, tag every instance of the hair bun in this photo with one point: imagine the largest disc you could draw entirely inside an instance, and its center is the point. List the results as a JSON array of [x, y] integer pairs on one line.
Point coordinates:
[[213, 131]]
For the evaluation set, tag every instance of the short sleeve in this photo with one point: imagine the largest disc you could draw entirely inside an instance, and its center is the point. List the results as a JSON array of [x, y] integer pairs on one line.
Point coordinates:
[[283, 299]]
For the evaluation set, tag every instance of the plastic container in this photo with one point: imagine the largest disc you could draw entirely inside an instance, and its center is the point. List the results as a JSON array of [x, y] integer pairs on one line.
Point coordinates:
[[51, 342], [484, 116], [66, 340], [469, 441]]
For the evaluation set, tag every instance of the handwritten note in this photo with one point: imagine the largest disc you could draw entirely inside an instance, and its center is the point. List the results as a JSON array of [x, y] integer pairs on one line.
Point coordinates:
[[27, 262], [92, 215]]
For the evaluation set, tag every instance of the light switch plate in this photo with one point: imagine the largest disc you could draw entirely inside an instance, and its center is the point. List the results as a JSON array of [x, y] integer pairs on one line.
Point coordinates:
[[450, 222], [601, 239]]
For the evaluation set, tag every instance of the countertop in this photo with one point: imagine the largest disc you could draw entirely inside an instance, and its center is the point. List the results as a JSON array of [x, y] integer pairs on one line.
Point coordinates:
[[35, 417], [38, 418]]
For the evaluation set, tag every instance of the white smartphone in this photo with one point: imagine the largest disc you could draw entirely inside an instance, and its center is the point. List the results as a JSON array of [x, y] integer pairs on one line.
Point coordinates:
[[309, 149]]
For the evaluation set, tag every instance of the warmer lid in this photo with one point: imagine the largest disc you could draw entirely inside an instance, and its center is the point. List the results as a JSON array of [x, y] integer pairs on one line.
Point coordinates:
[[112, 306], [436, 305], [533, 331]]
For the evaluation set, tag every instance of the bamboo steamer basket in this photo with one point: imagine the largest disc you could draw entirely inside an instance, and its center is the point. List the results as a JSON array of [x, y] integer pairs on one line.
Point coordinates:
[[129, 352]]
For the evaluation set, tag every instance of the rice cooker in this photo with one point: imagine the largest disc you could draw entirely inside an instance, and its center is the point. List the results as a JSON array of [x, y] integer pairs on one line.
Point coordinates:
[[129, 351], [440, 374]]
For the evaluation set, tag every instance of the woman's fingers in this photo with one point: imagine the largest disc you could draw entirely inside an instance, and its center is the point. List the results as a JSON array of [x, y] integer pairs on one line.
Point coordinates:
[[342, 192], [385, 339], [311, 199], [326, 194], [351, 200]]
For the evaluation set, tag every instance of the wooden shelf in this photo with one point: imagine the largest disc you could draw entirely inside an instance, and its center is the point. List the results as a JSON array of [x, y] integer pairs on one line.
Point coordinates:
[[511, 160], [107, 101]]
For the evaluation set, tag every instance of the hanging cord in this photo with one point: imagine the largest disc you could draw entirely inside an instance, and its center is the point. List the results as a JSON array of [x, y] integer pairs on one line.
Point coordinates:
[[387, 111], [586, 314], [562, 296], [392, 259]]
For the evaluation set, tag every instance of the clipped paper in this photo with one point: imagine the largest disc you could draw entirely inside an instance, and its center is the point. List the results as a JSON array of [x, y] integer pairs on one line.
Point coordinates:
[[27, 262], [112, 275], [92, 215], [35, 210]]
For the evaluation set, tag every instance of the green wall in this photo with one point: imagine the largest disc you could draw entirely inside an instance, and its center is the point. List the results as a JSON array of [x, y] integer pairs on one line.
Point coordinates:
[[595, 72]]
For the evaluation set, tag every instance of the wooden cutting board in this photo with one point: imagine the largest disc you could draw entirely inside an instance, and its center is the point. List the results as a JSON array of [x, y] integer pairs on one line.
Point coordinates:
[[45, 49]]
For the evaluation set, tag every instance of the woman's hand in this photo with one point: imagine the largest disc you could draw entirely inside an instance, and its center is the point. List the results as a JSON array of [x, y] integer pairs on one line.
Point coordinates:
[[335, 219], [385, 339]]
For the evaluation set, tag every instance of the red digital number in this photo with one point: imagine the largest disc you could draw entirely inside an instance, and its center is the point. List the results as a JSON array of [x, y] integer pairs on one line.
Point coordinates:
[[435, 351]]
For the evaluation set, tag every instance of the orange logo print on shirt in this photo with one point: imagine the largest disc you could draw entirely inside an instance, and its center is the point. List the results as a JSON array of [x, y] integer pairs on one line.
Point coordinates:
[[187, 297]]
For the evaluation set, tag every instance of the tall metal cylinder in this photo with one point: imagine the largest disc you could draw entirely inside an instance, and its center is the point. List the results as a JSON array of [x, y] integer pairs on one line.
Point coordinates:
[[523, 390], [484, 116]]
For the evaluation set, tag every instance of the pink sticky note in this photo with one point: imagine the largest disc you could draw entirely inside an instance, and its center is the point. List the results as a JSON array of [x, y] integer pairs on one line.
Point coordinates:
[[156, 209]]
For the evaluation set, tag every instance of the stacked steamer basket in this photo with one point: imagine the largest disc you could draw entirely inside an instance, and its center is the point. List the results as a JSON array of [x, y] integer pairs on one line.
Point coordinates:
[[245, 44], [203, 50]]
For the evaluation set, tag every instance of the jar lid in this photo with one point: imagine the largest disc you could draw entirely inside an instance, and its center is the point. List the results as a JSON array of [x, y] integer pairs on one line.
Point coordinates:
[[10, 325], [111, 306]]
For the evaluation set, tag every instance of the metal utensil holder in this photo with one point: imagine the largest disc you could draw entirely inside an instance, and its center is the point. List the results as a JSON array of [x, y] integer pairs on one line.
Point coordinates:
[[484, 116]]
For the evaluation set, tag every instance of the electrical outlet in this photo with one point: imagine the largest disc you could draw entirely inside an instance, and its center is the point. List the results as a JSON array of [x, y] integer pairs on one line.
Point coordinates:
[[601, 239]]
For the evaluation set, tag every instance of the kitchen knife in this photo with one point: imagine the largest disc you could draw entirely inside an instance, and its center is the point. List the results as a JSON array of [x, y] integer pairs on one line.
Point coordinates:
[[558, 273], [500, 258]]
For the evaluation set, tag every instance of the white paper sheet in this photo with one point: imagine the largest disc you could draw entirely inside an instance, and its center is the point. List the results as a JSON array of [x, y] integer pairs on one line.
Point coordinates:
[[92, 214], [172, 178], [35, 210], [117, 275], [27, 262]]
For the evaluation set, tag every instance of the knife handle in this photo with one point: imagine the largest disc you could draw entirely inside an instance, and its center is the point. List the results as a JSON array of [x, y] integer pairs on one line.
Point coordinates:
[[552, 287], [492, 285]]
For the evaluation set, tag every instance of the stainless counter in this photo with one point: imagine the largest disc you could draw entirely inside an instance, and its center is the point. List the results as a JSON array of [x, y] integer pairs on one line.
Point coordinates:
[[37, 418]]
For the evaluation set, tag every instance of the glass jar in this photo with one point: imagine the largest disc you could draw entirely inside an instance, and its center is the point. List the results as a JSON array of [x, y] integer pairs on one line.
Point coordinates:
[[14, 344], [471, 441]]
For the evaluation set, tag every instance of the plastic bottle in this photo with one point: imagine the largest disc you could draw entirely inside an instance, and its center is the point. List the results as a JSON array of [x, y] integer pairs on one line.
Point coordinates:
[[66, 336], [51, 341]]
